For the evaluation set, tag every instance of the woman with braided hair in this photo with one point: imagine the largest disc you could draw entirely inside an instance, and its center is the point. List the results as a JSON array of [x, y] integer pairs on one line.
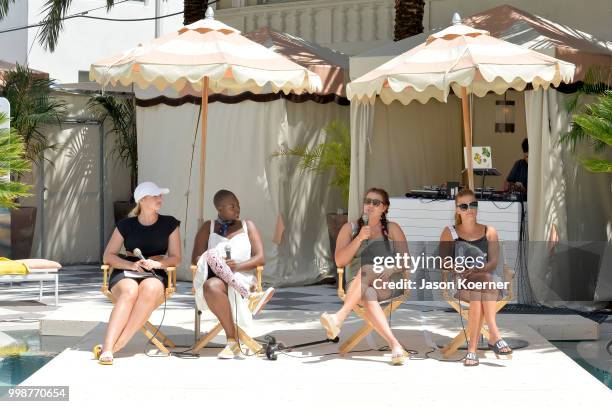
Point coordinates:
[[356, 246]]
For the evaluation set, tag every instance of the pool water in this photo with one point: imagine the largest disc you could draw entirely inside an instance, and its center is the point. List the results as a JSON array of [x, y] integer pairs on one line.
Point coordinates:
[[597, 370], [15, 369]]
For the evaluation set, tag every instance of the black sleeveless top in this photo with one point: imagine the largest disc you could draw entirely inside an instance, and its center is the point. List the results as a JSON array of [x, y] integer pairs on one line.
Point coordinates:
[[152, 240], [463, 248]]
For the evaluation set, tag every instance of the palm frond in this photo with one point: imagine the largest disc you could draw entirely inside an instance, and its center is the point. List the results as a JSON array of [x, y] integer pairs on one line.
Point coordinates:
[[597, 165], [332, 155], [12, 164], [593, 125], [596, 82], [55, 11], [32, 106], [122, 113], [4, 7]]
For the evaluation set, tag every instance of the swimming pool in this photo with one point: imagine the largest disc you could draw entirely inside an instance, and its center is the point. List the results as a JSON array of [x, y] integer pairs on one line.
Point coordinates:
[[15, 369], [596, 367]]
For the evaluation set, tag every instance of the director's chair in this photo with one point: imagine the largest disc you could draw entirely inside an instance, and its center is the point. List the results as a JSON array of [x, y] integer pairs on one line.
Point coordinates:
[[147, 329], [389, 305], [463, 308], [209, 336]]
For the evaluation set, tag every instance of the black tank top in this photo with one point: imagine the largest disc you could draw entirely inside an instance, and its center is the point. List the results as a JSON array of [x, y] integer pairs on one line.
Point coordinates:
[[481, 243]]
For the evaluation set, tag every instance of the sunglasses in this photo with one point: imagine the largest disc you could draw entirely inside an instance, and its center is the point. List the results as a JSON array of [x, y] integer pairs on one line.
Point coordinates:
[[373, 202], [464, 207]]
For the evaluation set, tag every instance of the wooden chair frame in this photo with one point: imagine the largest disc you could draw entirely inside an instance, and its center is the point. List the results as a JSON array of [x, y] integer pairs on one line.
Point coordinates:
[[461, 337], [148, 329], [200, 342], [392, 305]]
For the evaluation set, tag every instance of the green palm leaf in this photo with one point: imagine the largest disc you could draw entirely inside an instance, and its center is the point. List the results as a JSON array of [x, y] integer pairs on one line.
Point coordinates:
[[32, 107], [12, 164], [593, 125]]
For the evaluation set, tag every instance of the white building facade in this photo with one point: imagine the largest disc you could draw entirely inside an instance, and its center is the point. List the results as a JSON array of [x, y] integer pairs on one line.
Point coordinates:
[[350, 26]]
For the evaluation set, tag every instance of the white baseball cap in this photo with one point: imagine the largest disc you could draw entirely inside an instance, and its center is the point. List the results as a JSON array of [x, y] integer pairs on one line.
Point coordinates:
[[148, 188]]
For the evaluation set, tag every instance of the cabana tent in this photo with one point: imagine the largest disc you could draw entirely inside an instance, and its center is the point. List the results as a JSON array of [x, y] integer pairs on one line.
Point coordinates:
[[288, 207], [513, 25], [402, 153]]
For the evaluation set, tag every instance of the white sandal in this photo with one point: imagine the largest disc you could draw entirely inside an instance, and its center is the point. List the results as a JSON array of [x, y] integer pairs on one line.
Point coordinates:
[[331, 326], [106, 358], [261, 299], [398, 356]]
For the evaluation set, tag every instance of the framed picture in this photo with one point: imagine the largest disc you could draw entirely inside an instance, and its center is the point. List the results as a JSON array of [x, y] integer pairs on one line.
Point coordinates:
[[481, 157]]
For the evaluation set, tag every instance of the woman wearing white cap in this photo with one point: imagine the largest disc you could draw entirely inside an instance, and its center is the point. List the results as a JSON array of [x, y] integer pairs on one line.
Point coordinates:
[[157, 238]]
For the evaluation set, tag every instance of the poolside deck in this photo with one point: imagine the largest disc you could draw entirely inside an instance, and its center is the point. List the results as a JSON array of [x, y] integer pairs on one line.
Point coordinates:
[[537, 375]]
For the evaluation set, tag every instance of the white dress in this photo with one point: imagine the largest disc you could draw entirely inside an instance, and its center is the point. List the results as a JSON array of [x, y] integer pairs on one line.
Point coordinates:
[[241, 251]]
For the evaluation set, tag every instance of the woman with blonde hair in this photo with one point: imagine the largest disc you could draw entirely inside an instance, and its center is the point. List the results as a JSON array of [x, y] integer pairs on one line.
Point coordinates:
[[157, 238], [468, 236]]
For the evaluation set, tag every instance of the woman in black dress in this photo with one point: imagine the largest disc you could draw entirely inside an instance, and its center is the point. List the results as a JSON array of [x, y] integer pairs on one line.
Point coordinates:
[[157, 237]]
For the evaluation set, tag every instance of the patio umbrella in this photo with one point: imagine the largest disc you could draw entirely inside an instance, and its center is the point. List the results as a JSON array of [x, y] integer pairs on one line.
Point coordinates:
[[209, 56], [466, 60]]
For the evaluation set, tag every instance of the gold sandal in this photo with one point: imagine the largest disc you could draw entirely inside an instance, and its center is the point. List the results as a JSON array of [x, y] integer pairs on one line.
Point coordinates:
[[97, 351], [330, 325]]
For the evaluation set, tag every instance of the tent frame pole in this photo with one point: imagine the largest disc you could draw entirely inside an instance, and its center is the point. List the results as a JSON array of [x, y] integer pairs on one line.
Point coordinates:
[[203, 150], [467, 131]]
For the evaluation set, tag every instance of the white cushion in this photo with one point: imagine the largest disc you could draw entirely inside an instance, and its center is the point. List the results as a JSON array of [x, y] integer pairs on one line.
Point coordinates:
[[32, 271]]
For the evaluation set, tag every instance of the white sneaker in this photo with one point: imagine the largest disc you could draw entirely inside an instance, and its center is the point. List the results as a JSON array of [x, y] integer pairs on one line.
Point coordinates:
[[260, 300]]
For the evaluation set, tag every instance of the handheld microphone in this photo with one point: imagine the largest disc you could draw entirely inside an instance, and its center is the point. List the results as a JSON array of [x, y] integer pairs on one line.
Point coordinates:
[[228, 251], [365, 219], [138, 254]]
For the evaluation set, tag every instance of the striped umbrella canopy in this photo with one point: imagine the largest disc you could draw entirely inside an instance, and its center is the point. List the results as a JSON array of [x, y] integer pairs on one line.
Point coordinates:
[[211, 57], [466, 60]]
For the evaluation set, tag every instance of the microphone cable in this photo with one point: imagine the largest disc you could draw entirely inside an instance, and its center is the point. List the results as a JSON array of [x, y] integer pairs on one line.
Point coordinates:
[[163, 316], [427, 354]]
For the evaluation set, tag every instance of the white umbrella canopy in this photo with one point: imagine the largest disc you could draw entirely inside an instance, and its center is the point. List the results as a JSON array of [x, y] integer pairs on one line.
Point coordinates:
[[459, 56], [210, 56], [205, 49], [464, 59]]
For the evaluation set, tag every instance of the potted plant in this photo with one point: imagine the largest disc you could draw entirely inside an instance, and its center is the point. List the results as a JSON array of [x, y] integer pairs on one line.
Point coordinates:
[[12, 164], [122, 113], [333, 155], [32, 107]]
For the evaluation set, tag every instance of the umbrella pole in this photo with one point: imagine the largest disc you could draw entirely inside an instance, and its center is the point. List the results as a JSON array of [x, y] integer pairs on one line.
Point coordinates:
[[467, 131], [203, 149]]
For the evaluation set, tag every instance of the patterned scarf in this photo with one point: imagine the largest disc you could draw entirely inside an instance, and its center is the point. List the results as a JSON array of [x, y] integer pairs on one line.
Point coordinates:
[[225, 224]]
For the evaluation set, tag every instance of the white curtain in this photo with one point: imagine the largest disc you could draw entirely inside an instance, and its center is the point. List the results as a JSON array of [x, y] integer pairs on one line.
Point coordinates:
[[564, 197], [304, 199], [546, 185], [402, 147], [362, 122], [241, 138]]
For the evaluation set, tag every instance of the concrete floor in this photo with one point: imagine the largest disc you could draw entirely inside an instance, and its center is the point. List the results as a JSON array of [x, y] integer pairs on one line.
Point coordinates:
[[538, 375]]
